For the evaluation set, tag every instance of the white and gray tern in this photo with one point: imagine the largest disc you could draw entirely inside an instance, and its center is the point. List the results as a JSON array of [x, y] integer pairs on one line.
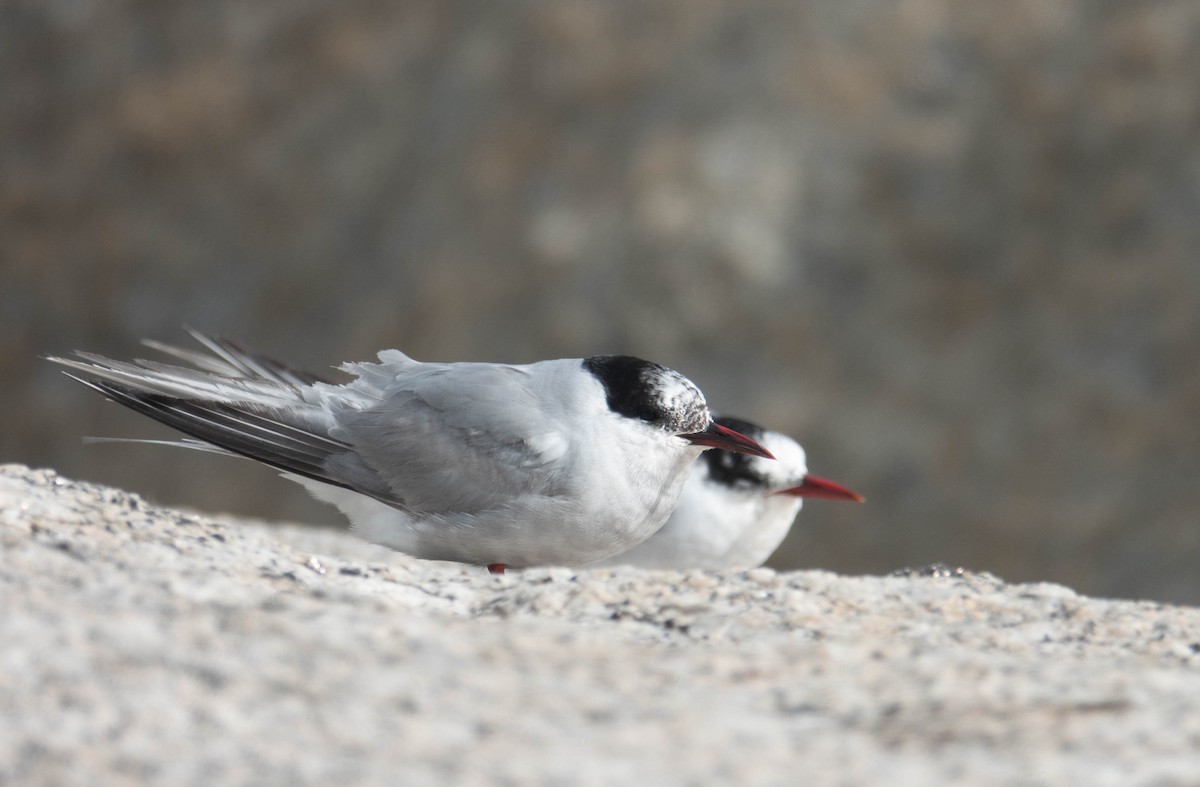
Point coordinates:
[[560, 462], [735, 509]]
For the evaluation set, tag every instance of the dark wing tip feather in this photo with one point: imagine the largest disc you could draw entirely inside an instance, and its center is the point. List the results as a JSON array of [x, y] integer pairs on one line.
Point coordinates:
[[272, 435], [239, 430]]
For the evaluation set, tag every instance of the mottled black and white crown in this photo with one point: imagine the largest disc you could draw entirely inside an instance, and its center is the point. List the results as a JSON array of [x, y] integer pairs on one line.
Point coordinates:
[[650, 392]]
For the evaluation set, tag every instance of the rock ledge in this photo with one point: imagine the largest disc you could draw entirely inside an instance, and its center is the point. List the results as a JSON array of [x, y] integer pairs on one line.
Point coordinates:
[[142, 644]]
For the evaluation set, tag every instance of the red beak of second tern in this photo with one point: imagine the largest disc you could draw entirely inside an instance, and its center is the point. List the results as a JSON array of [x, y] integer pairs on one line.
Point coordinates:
[[717, 436], [812, 486]]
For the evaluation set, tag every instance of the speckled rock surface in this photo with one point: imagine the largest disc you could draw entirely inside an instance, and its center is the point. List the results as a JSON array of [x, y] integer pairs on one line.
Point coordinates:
[[145, 645]]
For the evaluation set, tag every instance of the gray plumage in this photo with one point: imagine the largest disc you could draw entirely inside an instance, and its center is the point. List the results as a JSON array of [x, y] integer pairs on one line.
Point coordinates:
[[476, 462]]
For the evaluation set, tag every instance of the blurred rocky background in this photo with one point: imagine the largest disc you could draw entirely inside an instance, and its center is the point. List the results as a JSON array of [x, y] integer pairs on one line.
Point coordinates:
[[954, 248]]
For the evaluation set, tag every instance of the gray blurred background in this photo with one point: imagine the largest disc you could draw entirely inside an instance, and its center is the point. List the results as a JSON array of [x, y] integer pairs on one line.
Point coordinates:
[[952, 247]]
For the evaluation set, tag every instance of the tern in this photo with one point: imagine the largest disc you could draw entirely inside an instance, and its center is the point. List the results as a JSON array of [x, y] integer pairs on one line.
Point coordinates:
[[559, 462], [735, 509]]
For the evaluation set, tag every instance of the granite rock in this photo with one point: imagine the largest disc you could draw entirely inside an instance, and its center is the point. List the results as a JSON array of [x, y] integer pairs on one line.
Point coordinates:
[[147, 645]]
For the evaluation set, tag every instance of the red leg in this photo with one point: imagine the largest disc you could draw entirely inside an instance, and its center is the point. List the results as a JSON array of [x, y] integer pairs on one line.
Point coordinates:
[[496, 568]]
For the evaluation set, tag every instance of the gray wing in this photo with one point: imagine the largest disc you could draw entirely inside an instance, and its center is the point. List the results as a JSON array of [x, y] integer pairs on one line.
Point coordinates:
[[423, 437], [237, 402], [230, 359], [457, 437]]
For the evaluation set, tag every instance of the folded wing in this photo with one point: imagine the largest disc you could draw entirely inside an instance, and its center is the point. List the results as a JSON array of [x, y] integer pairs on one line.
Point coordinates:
[[427, 438]]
